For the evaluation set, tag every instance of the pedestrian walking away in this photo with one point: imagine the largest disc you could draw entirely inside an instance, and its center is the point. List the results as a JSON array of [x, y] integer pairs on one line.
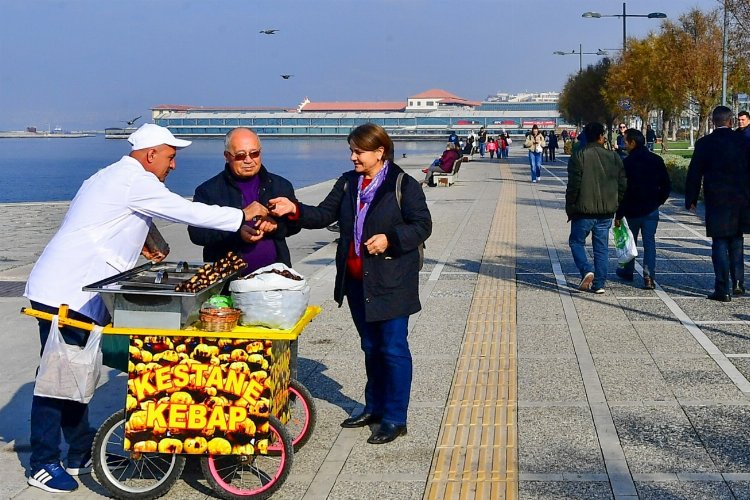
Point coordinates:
[[648, 188], [596, 186], [720, 165]]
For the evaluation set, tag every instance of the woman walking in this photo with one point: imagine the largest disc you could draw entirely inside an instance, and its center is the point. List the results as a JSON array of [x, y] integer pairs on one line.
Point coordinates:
[[535, 143], [377, 269]]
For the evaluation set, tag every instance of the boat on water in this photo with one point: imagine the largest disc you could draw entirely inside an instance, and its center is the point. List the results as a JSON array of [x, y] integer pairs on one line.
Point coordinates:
[[118, 132], [33, 133]]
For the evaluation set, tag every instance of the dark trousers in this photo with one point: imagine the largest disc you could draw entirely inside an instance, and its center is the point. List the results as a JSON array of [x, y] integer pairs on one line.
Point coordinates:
[[50, 416], [387, 359], [727, 257]]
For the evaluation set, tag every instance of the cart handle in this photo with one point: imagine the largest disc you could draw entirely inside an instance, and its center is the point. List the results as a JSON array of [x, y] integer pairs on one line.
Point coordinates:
[[238, 332]]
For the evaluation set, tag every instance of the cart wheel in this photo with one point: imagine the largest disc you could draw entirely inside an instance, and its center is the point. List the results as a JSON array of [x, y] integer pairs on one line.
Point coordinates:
[[149, 476], [254, 477], [303, 415]]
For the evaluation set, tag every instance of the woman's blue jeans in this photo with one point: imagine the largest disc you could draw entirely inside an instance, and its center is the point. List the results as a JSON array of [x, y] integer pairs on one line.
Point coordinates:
[[49, 416], [535, 161], [646, 226], [599, 229], [387, 359]]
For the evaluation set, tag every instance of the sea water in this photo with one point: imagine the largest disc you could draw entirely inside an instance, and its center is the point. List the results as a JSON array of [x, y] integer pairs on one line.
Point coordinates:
[[34, 170]]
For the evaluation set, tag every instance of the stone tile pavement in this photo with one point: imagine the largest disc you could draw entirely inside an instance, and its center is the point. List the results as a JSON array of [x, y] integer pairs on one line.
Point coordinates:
[[630, 394]]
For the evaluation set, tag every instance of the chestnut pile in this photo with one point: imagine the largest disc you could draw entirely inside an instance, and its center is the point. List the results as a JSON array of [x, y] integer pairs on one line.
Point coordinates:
[[208, 274], [285, 273]]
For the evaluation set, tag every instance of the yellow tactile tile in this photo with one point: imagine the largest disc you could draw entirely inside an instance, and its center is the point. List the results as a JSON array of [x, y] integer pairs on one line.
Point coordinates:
[[476, 456]]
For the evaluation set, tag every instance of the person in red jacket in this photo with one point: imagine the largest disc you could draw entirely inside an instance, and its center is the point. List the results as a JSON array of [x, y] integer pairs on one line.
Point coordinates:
[[444, 164]]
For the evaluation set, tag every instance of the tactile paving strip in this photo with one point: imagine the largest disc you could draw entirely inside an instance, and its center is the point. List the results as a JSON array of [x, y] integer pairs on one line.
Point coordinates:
[[477, 455]]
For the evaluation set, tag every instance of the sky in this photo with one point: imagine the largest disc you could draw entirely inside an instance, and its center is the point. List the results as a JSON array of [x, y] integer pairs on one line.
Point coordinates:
[[90, 64]]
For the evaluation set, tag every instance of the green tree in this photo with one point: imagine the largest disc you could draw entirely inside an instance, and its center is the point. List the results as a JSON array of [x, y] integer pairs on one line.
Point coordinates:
[[583, 99]]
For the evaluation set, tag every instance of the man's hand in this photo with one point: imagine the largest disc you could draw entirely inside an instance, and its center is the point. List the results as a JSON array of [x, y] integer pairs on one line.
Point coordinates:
[[282, 206], [266, 224], [250, 234], [255, 209], [155, 248], [618, 222]]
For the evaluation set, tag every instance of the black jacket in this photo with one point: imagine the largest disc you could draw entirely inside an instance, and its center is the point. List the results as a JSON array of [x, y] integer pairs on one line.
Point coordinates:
[[720, 161], [390, 280], [222, 190], [648, 184]]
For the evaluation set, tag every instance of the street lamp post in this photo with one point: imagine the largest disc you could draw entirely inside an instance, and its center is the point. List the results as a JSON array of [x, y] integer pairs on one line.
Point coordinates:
[[580, 53], [624, 16]]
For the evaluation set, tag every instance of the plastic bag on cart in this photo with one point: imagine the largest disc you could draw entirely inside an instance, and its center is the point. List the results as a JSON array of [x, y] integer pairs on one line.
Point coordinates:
[[69, 371], [274, 296]]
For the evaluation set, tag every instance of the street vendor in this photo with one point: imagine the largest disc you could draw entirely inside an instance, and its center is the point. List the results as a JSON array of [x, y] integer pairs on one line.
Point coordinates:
[[103, 233]]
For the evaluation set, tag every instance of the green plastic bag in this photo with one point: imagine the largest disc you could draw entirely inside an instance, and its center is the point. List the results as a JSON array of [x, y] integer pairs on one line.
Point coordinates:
[[624, 243]]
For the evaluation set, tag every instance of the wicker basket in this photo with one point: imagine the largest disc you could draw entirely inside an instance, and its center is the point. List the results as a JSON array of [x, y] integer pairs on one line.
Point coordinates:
[[222, 319]]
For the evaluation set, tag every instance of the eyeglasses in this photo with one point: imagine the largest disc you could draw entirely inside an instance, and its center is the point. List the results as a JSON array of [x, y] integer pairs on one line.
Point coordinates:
[[242, 155], [623, 126]]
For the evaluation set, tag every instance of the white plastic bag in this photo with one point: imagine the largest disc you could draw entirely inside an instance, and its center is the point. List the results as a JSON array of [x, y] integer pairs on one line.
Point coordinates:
[[624, 243], [269, 299], [69, 371]]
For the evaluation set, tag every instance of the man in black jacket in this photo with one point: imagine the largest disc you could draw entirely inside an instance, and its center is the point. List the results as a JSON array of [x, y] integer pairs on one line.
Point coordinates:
[[648, 189], [245, 181], [720, 162]]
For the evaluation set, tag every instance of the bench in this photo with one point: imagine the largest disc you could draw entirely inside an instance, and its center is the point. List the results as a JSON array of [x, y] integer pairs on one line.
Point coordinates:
[[446, 179]]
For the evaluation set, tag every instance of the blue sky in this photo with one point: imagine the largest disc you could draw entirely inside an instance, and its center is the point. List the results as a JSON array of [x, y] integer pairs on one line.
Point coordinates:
[[85, 64]]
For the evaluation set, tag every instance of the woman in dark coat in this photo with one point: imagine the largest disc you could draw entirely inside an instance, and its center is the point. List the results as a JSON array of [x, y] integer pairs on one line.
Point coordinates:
[[377, 269]]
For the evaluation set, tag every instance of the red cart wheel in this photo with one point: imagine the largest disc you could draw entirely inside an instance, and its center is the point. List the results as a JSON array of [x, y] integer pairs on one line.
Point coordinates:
[[302, 414]]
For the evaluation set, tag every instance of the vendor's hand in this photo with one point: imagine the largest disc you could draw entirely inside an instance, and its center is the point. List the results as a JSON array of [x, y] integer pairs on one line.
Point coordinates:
[[282, 206], [254, 209], [250, 234], [618, 222], [377, 244], [153, 256]]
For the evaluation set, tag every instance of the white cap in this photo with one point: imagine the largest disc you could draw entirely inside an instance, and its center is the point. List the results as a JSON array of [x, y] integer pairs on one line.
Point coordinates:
[[150, 135]]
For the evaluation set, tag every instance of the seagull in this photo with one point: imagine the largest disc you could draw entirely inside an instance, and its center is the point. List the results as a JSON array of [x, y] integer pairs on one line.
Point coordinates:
[[268, 32], [131, 122], [286, 77]]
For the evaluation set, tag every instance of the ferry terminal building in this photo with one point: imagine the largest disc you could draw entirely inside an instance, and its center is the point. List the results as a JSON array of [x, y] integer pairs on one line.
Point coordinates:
[[430, 115]]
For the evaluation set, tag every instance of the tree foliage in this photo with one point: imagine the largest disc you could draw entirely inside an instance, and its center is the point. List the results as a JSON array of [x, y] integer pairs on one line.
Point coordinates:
[[583, 99]]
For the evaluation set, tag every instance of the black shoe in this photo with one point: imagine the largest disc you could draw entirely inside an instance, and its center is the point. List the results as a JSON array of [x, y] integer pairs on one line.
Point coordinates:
[[738, 288], [387, 433], [360, 420], [622, 273], [721, 297], [648, 283]]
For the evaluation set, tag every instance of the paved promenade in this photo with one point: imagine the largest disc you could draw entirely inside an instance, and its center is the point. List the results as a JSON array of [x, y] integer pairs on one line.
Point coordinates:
[[523, 387]]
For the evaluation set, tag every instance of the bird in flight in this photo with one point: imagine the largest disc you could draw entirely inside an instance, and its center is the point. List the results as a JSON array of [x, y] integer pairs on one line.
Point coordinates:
[[268, 32], [131, 122], [286, 77]]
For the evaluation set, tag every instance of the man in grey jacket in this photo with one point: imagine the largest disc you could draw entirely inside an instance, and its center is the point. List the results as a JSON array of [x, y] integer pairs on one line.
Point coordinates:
[[596, 186]]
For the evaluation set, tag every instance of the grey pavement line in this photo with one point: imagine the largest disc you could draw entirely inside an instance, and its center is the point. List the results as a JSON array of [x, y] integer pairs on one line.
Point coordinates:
[[714, 352], [737, 355], [562, 477], [613, 454], [333, 464], [696, 233], [725, 322]]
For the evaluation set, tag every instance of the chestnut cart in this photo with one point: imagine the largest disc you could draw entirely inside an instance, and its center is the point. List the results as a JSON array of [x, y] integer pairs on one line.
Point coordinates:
[[223, 396]]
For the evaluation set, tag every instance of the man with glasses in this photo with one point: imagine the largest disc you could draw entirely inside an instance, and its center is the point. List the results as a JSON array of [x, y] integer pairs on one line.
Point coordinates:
[[246, 182], [620, 146]]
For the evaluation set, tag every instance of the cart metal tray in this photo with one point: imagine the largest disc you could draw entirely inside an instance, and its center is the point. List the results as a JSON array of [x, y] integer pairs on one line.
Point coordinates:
[[145, 296]]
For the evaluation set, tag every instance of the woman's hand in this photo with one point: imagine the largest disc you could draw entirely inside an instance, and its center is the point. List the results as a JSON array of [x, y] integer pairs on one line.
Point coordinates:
[[249, 234], [281, 206], [377, 244]]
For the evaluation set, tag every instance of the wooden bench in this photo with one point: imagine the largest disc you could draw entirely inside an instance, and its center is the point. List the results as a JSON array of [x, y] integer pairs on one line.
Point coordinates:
[[446, 179]]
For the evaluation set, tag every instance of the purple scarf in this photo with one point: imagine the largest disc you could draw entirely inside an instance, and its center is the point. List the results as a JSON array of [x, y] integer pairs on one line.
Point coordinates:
[[364, 198]]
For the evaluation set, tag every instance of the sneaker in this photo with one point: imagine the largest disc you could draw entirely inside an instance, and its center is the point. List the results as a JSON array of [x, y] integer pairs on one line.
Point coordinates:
[[597, 289], [334, 227], [534, 181], [52, 478], [585, 283]]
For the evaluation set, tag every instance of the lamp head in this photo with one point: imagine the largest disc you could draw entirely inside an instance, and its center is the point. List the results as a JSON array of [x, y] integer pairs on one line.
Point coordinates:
[[656, 15], [601, 52], [592, 14], [559, 53]]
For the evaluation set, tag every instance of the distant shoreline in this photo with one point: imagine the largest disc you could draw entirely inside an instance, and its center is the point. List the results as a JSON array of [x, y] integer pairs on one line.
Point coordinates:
[[22, 134]]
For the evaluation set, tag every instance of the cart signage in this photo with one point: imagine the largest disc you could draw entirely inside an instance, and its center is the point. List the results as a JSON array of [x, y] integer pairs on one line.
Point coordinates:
[[204, 395]]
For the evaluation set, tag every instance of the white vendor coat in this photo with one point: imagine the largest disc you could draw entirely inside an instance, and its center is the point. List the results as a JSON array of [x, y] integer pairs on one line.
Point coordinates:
[[104, 231]]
